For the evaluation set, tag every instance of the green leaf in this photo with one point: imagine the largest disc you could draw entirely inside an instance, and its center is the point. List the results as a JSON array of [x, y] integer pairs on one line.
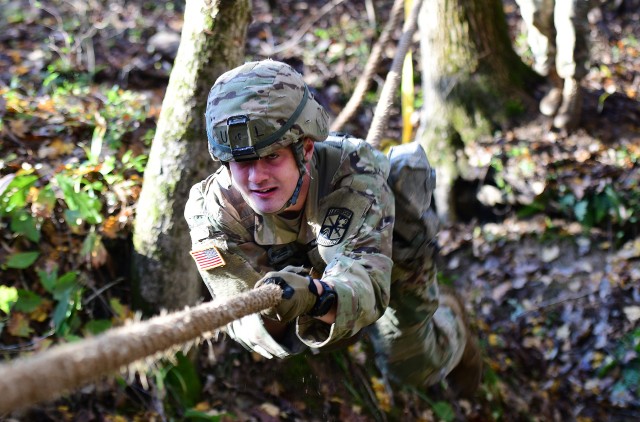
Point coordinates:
[[89, 243], [15, 197], [73, 218], [97, 139], [65, 284], [69, 295], [490, 377], [601, 205], [601, 99], [22, 260], [607, 364], [631, 376], [62, 311], [97, 326], [580, 209], [22, 181], [126, 156], [8, 296], [567, 201], [610, 193], [50, 78], [182, 380], [197, 415], [48, 279], [67, 185], [118, 308], [72, 338], [74, 322], [444, 411], [109, 164], [28, 301], [528, 210], [80, 203], [24, 223], [89, 207]]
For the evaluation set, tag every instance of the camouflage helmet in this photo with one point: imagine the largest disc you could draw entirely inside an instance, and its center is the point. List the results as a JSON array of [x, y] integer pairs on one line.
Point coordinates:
[[258, 108]]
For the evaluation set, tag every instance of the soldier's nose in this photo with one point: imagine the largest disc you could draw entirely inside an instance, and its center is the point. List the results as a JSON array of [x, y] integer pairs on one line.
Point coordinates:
[[258, 172]]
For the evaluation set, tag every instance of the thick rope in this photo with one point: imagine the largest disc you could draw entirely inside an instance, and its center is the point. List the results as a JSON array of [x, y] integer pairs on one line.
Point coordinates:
[[381, 115], [369, 69], [49, 374]]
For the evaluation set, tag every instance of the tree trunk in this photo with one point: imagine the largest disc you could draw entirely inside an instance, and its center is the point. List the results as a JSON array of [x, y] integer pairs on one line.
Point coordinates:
[[212, 41], [473, 83]]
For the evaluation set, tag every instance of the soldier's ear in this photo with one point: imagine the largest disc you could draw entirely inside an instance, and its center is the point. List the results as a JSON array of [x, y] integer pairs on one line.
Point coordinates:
[[307, 148]]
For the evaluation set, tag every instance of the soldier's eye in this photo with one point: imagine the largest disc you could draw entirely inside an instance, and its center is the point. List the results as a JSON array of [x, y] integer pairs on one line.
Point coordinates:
[[242, 164], [272, 156]]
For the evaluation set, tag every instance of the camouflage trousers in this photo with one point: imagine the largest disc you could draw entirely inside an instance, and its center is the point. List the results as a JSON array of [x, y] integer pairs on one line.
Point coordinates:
[[420, 342], [557, 33]]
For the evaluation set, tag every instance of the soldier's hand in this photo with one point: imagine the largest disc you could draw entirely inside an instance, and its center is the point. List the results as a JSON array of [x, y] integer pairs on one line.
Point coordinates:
[[297, 298]]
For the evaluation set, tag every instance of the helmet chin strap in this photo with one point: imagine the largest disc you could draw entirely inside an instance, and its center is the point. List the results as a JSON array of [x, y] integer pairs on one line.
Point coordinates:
[[294, 197], [298, 153]]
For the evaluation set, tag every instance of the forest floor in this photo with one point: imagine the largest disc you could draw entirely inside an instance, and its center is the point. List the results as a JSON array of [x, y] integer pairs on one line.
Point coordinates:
[[548, 266]]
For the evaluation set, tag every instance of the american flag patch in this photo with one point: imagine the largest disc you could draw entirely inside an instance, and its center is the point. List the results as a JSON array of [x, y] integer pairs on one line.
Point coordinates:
[[207, 258]]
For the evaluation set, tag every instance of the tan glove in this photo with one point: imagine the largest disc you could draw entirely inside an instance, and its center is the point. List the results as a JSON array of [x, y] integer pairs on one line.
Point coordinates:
[[299, 294]]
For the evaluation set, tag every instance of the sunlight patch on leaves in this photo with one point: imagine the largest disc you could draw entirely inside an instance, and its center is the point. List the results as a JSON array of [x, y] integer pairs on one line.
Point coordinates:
[[8, 296]]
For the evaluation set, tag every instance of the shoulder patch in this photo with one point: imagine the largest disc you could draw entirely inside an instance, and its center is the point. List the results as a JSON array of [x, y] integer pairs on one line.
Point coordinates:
[[207, 258], [334, 227]]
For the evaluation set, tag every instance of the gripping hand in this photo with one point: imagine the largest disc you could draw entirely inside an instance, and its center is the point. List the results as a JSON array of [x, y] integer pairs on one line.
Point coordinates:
[[299, 293]]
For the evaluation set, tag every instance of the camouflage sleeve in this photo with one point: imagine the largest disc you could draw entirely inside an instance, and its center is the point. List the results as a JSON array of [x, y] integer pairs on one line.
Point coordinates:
[[355, 240], [212, 225]]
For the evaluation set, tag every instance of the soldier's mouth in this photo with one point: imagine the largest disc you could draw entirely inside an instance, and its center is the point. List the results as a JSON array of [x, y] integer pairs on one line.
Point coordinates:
[[263, 191]]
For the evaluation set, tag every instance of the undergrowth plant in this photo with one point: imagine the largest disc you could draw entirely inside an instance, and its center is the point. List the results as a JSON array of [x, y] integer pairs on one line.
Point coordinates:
[[74, 184]]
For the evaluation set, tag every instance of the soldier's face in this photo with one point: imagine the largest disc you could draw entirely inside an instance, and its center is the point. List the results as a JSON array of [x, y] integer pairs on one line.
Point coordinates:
[[268, 183]]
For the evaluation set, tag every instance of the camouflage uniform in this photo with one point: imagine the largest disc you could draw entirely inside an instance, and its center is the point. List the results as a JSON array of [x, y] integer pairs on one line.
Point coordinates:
[[366, 227], [348, 183]]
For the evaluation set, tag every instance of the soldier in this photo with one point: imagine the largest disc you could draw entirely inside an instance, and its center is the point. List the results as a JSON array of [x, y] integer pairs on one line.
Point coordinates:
[[557, 32], [316, 215]]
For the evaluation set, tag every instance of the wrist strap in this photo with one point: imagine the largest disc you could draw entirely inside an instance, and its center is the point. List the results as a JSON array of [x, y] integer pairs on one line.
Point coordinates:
[[312, 286], [323, 301]]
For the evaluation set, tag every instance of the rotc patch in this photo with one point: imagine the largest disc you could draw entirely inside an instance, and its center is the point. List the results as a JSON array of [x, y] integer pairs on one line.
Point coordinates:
[[334, 226], [207, 258]]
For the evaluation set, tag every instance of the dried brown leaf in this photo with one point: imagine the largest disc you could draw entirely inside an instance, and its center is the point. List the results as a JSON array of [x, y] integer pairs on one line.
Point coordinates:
[[19, 325]]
